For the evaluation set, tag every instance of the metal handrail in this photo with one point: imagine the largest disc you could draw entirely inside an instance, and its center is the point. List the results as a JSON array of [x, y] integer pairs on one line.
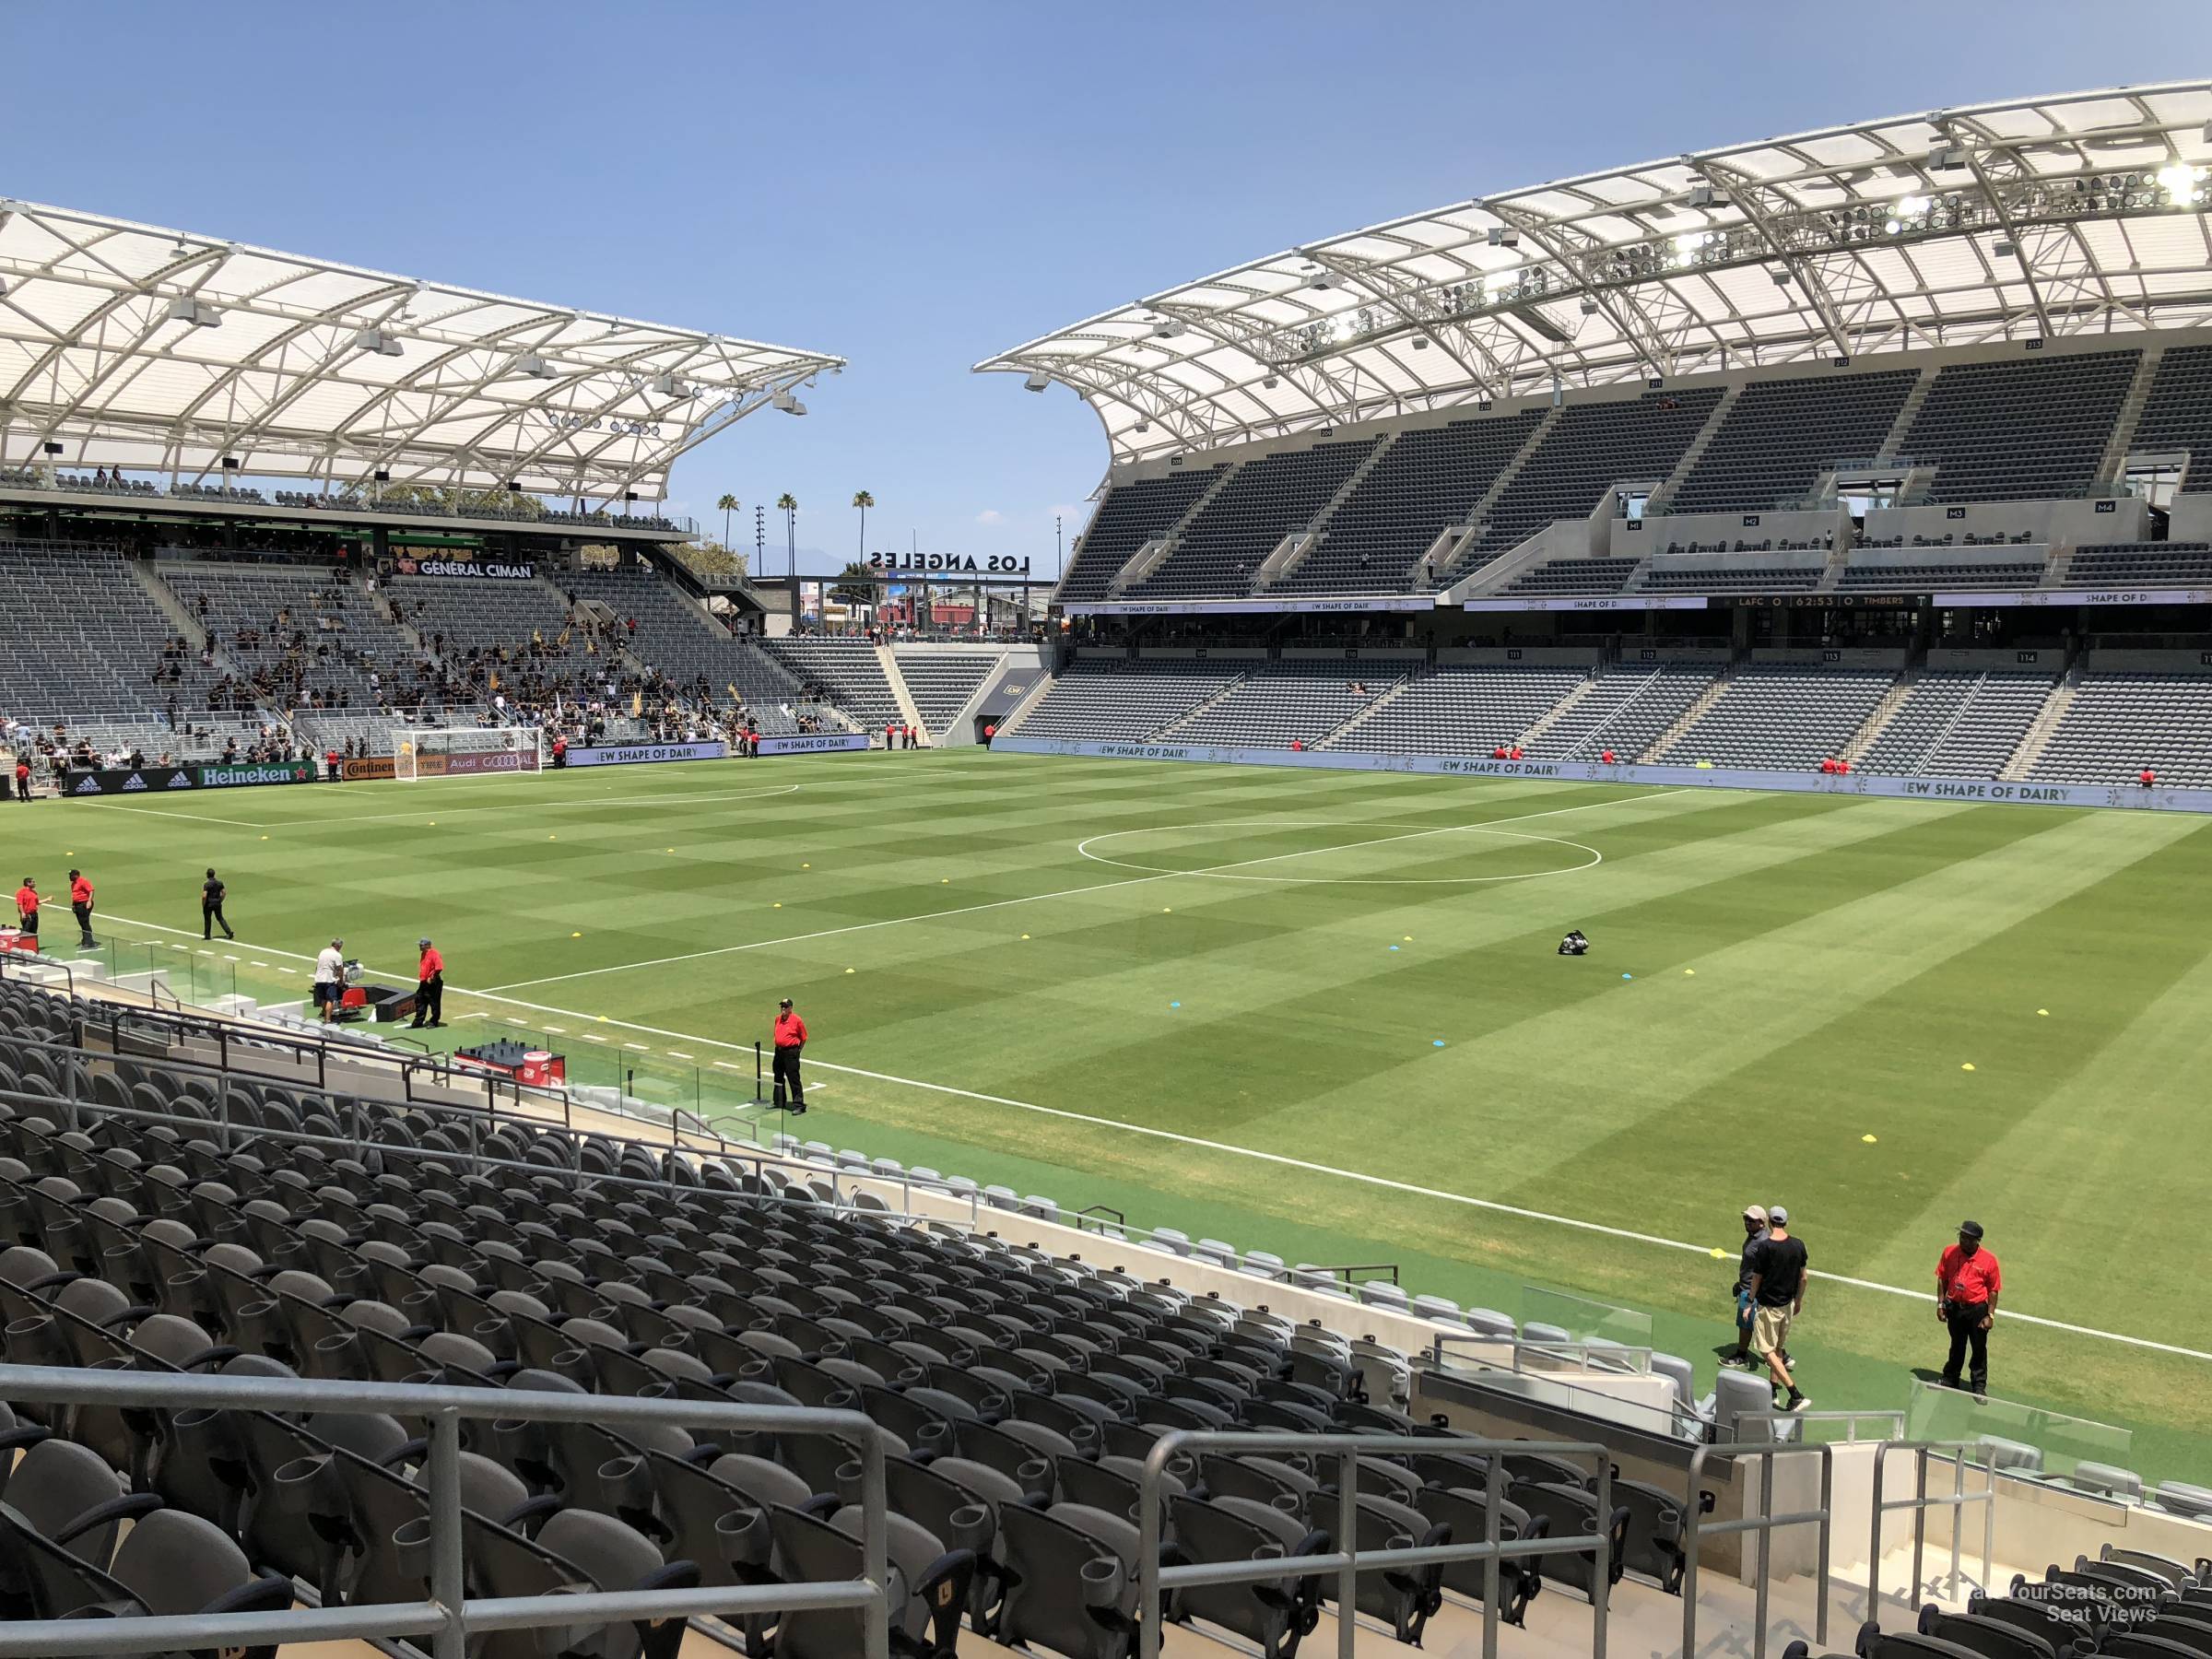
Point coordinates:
[[1622, 1360], [1763, 1523], [1348, 1560], [1920, 1503], [450, 1615], [1851, 1419]]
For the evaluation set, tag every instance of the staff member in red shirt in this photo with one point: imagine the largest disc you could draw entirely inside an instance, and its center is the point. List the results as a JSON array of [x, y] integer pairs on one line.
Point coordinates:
[[791, 1039], [1966, 1282], [429, 985], [22, 779], [26, 906], [81, 901]]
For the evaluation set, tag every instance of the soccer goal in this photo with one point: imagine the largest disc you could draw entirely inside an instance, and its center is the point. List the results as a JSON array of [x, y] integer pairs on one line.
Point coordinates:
[[421, 752]]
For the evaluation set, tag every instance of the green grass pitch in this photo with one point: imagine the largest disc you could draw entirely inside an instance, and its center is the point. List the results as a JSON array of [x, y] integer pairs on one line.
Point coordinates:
[[1356, 972]]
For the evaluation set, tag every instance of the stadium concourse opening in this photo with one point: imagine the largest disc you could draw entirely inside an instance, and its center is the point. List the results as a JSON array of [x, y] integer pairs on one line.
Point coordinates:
[[1706, 793]]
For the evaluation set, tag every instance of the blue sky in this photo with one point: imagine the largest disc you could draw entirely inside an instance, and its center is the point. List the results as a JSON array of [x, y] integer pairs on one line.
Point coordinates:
[[917, 186]]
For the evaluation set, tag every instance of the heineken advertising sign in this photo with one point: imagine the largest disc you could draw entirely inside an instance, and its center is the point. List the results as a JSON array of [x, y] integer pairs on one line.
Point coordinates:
[[234, 774]]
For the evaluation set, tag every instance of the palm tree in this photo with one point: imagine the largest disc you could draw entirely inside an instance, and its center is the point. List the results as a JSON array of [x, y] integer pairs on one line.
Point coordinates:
[[788, 505], [863, 500], [727, 505]]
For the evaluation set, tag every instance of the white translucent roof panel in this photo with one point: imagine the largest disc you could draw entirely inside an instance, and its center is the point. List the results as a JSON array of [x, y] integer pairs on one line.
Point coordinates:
[[136, 346], [2051, 215]]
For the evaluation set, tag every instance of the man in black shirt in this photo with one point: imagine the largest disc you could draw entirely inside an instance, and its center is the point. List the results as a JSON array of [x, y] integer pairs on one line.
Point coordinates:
[[1778, 1297], [1754, 1233], [211, 907]]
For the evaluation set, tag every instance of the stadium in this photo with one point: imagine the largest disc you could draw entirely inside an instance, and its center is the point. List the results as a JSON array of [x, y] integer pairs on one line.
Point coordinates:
[[1208, 1209]]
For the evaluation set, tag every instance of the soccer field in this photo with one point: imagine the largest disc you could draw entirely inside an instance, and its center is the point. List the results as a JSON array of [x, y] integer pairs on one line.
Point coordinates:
[[1320, 1013]]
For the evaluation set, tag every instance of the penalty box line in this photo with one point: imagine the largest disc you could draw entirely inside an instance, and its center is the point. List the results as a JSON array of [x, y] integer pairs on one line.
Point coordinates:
[[1283, 1161]]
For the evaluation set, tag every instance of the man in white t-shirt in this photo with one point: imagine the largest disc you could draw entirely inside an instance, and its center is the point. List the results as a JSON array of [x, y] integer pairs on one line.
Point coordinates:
[[330, 979]]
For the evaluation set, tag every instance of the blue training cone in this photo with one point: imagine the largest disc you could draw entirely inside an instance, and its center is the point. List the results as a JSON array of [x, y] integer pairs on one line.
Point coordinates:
[[1627, 976]]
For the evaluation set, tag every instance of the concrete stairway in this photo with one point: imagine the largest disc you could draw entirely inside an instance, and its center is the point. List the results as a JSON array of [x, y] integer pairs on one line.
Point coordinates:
[[1191, 713], [1546, 720], [1860, 741], [1477, 514], [2038, 736], [1690, 716]]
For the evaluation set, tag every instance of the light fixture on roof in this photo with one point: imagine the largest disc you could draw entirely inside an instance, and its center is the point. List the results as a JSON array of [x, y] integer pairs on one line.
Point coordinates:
[[2005, 248], [532, 366], [197, 313], [1504, 236], [1143, 426], [1165, 328], [1321, 280], [2183, 183], [788, 404], [1589, 306], [1272, 382], [1420, 342], [1948, 158], [377, 341], [1781, 276], [665, 384], [1703, 195], [1038, 381]]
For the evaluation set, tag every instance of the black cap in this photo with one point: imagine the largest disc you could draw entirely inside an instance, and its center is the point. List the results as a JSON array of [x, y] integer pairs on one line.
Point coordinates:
[[1970, 1229], [784, 1003]]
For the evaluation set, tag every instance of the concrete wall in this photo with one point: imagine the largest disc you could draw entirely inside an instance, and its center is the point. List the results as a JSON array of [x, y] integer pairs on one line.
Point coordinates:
[[1652, 535], [2062, 523]]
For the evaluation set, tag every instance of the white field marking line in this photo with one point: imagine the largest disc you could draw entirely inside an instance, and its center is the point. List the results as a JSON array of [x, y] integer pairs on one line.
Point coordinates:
[[1595, 858], [1097, 886], [197, 817], [1286, 1161], [382, 818]]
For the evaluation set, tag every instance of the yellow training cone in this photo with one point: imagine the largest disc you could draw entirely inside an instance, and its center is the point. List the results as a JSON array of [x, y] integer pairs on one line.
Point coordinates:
[[1968, 1067], [1867, 1138], [1025, 936], [1689, 973], [779, 904], [2044, 1012], [852, 971], [575, 936], [1719, 1254]]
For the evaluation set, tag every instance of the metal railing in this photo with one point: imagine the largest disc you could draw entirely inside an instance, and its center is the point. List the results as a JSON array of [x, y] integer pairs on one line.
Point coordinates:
[[450, 1615], [1892, 1421], [1696, 1529], [1348, 1560], [1920, 1503], [1599, 1356]]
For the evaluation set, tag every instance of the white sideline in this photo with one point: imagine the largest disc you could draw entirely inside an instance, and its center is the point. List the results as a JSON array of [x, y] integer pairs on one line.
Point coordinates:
[[1096, 887], [1281, 1159]]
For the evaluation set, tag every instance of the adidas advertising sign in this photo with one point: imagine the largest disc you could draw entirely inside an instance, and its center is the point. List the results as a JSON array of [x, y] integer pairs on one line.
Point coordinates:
[[124, 780]]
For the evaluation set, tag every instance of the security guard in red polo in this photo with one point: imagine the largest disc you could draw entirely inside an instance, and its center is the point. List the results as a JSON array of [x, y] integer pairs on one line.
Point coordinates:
[[26, 906], [430, 986], [80, 902], [791, 1039], [1966, 1282]]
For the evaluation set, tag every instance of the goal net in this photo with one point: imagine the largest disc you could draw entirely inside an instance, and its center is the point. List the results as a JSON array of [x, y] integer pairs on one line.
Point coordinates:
[[462, 752]]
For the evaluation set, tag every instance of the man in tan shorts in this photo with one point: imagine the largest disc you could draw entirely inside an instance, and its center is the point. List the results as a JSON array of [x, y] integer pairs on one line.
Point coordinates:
[[1777, 1290]]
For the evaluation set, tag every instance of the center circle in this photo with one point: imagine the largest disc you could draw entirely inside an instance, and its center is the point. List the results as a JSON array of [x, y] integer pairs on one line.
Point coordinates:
[[1265, 854]]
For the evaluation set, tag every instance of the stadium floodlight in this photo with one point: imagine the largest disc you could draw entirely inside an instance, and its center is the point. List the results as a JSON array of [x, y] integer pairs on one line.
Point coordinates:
[[1948, 158], [1420, 342], [1589, 306], [1704, 195], [533, 367], [1781, 276], [1272, 382], [377, 341], [2005, 248], [1504, 236], [1144, 426], [1321, 280], [665, 384], [787, 403], [197, 313], [2182, 183], [1037, 381]]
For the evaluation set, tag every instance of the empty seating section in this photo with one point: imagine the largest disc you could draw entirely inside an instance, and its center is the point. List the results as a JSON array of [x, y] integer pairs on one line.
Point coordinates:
[[1940, 578], [2120, 724], [1461, 710], [1020, 1391], [1781, 716], [2144, 564], [1571, 576], [1780, 436], [941, 682], [1131, 515], [1956, 723], [470, 611], [1428, 482], [2019, 430], [85, 639], [1590, 448], [2177, 414], [301, 634], [1112, 699], [1275, 496], [1279, 701], [1624, 712], [675, 637], [1731, 579], [845, 672]]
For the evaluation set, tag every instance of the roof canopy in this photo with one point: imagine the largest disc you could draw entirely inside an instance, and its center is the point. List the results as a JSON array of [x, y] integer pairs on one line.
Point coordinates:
[[2049, 217], [148, 348]]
